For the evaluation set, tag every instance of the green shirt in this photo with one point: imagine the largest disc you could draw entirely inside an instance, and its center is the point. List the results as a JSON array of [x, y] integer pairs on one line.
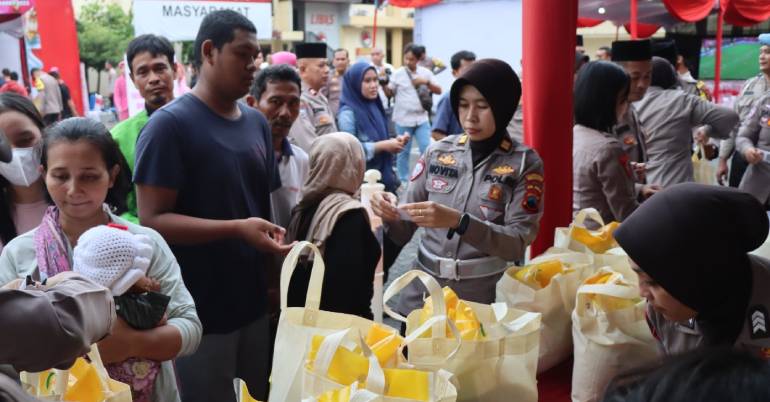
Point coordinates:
[[125, 134]]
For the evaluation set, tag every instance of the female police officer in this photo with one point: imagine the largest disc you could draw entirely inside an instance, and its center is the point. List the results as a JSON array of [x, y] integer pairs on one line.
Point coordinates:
[[689, 244], [478, 195]]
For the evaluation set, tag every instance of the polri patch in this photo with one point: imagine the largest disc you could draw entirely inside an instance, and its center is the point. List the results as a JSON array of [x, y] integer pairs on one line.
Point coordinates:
[[495, 193], [758, 321], [438, 184], [629, 139], [418, 170], [533, 192]]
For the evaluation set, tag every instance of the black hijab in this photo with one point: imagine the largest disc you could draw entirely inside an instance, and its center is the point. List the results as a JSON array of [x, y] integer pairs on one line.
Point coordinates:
[[693, 240], [501, 87]]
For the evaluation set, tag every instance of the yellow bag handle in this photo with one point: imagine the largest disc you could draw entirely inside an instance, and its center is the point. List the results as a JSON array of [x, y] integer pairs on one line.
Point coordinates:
[[314, 287]]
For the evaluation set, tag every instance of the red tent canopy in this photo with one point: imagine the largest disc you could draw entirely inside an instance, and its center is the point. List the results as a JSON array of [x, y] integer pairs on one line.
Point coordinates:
[[689, 10], [746, 12], [643, 30]]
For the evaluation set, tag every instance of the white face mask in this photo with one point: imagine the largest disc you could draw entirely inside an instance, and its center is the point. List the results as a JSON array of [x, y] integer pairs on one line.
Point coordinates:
[[23, 169]]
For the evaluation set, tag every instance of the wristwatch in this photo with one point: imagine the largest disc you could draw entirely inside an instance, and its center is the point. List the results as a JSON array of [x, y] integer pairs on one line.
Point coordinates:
[[465, 220]]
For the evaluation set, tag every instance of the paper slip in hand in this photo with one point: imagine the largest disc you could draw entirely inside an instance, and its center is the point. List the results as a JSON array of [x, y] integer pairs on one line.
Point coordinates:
[[403, 215]]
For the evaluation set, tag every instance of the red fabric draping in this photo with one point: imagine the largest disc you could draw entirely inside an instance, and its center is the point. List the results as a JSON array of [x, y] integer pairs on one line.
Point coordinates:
[[642, 30], [413, 3], [689, 10], [59, 43], [588, 22], [746, 12]]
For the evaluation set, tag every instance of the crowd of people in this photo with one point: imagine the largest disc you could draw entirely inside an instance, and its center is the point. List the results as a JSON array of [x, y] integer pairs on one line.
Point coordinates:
[[189, 205]]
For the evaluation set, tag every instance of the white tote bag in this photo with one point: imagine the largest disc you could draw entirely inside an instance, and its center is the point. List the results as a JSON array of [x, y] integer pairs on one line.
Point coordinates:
[[704, 171], [297, 325], [413, 385], [555, 302], [500, 366], [610, 333], [614, 257]]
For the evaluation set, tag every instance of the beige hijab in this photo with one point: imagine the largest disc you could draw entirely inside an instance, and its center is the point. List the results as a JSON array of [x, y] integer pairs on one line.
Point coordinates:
[[336, 173]]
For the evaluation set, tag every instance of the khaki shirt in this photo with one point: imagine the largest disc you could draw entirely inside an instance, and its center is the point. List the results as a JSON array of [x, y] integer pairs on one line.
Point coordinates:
[[669, 116], [677, 338], [752, 90], [44, 328], [333, 91], [516, 126], [315, 119], [755, 133], [632, 136], [602, 176], [52, 102], [503, 197]]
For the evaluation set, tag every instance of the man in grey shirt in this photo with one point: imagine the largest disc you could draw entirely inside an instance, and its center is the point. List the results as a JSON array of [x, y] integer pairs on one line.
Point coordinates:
[[52, 105]]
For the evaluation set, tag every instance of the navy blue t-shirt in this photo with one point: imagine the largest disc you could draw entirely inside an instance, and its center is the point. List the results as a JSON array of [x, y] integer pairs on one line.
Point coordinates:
[[222, 169], [445, 119]]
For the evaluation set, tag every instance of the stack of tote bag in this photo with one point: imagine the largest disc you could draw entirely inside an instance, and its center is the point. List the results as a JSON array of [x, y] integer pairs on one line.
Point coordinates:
[[610, 331], [497, 357]]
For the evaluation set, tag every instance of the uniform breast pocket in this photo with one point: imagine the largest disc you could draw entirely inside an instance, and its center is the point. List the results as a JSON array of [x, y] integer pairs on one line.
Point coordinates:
[[322, 119], [493, 198], [444, 172]]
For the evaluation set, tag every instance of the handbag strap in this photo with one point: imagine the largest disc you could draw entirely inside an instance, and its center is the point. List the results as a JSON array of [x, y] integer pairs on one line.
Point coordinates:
[[314, 287], [581, 216], [434, 290], [375, 378]]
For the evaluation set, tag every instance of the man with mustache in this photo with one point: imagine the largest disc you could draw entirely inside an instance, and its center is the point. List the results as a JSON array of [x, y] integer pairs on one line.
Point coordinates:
[[276, 93], [151, 67]]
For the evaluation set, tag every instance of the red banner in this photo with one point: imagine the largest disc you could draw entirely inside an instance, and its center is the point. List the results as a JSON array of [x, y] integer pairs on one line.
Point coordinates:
[[59, 44], [413, 3]]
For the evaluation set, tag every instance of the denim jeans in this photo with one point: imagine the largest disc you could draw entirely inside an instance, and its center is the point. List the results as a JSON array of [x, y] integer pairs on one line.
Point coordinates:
[[422, 134]]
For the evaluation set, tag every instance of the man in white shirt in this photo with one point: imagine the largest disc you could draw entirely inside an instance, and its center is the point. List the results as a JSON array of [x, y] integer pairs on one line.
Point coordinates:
[[408, 113], [276, 93]]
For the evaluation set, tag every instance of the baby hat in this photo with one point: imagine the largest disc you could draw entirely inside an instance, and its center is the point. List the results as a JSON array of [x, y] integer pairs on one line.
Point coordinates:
[[112, 256]]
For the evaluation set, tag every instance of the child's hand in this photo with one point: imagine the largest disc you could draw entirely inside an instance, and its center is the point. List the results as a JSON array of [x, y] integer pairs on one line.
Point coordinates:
[[145, 284]]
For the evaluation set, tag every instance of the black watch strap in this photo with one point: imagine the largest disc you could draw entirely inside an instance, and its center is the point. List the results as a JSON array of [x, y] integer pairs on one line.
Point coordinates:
[[463, 226]]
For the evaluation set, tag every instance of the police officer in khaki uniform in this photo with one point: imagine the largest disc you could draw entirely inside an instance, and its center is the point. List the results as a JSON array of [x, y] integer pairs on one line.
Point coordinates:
[[478, 195], [635, 56], [752, 90], [315, 117], [701, 289], [603, 176], [669, 115], [753, 143]]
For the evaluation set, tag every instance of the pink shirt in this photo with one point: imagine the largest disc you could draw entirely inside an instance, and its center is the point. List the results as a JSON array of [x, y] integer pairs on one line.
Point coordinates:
[[120, 96], [27, 217]]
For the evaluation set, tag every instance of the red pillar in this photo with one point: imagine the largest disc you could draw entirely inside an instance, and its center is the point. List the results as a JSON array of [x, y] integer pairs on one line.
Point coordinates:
[[634, 20], [549, 51], [718, 56]]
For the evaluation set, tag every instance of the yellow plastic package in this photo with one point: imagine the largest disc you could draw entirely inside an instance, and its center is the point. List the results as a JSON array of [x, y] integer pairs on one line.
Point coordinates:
[[349, 366], [459, 312], [538, 276], [598, 241], [609, 303]]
